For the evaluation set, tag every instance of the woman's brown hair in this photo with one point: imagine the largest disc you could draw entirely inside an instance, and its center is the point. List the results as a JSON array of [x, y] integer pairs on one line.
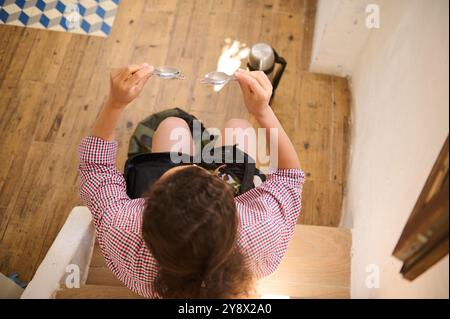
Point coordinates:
[[190, 225]]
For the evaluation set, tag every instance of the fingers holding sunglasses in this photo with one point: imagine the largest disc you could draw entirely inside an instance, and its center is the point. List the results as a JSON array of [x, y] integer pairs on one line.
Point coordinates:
[[256, 90], [143, 73], [128, 82]]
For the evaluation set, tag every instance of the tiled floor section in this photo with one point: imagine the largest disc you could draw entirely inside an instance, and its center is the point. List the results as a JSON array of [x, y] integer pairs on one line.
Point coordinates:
[[89, 17]]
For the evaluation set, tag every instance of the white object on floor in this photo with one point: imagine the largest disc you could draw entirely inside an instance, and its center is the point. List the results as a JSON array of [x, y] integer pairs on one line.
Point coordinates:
[[9, 289], [72, 249]]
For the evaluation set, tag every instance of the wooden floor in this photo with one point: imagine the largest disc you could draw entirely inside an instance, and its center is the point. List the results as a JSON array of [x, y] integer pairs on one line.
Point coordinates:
[[52, 86]]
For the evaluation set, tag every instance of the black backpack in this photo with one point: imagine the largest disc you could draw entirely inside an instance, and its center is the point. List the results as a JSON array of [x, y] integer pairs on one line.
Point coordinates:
[[143, 167]]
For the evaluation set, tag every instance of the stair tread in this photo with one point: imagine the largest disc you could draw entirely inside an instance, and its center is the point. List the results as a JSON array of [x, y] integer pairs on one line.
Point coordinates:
[[97, 259], [316, 265], [102, 276], [99, 273], [97, 292]]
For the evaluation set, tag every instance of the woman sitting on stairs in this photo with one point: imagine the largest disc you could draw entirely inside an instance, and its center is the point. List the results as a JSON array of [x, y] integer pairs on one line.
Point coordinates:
[[189, 237]]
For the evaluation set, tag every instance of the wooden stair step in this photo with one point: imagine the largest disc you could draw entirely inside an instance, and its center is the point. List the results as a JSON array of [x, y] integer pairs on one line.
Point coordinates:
[[316, 265], [102, 276], [97, 292], [97, 259], [99, 273]]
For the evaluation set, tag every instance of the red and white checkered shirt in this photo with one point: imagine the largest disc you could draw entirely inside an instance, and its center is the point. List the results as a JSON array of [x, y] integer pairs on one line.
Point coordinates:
[[268, 215]]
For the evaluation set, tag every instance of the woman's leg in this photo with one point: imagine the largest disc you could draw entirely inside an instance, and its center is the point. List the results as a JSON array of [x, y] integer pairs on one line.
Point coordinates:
[[181, 134], [240, 132]]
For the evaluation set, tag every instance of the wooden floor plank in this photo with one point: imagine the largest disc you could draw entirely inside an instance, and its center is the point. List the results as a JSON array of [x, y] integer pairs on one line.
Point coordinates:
[[17, 133], [10, 42], [21, 56], [310, 8]]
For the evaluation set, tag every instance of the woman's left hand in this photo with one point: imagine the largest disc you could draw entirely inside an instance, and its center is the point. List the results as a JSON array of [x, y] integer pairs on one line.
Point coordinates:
[[127, 83]]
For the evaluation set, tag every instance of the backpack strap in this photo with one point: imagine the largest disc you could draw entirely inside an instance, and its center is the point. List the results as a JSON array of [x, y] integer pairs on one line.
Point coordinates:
[[249, 172]]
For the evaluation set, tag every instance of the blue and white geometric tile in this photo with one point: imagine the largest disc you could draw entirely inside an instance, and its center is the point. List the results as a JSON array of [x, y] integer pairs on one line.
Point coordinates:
[[90, 17]]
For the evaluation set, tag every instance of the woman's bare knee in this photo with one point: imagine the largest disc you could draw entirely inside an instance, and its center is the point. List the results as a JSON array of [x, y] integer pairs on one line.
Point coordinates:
[[173, 135], [172, 122]]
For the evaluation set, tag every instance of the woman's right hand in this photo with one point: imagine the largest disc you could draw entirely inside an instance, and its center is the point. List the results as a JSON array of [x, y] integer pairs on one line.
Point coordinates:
[[257, 90]]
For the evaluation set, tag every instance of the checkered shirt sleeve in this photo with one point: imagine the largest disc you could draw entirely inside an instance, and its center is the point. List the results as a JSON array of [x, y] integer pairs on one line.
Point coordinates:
[[117, 218], [268, 216]]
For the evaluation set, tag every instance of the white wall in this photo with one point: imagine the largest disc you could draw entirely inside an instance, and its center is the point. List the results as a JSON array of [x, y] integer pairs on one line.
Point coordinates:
[[400, 121]]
